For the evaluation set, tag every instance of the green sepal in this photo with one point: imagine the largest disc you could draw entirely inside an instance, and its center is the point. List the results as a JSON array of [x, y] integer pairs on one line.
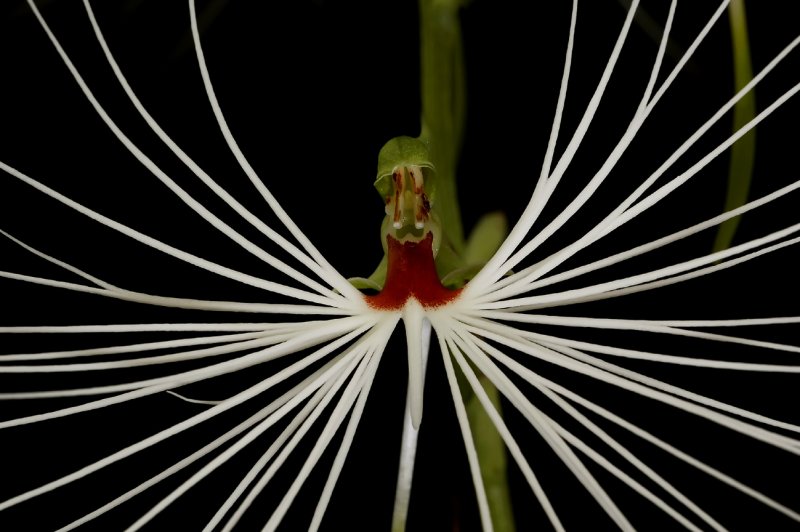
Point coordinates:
[[375, 281], [447, 261], [486, 238], [364, 283], [483, 242]]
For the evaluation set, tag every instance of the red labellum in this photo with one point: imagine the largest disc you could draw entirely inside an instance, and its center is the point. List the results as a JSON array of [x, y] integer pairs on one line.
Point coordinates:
[[411, 273]]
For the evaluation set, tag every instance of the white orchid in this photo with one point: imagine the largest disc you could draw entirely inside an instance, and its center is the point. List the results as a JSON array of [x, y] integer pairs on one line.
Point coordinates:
[[292, 372]]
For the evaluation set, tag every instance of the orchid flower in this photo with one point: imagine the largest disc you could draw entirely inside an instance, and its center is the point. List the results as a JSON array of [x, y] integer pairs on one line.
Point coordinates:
[[208, 356]]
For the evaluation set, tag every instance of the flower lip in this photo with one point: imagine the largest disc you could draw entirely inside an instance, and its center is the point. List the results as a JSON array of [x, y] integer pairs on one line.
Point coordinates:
[[411, 273]]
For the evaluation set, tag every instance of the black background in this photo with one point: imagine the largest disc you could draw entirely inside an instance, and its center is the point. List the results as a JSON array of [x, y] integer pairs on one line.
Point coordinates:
[[311, 90]]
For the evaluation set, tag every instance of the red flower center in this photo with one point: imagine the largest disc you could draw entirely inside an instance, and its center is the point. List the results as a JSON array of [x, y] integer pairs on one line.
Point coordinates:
[[411, 273]]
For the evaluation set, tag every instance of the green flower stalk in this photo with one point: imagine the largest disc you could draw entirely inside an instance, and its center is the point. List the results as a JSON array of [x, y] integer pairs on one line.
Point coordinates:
[[740, 171], [540, 356]]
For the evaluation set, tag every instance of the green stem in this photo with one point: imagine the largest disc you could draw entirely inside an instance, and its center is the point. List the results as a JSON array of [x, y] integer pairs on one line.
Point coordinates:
[[743, 152], [492, 456], [443, 105], [443, 110]]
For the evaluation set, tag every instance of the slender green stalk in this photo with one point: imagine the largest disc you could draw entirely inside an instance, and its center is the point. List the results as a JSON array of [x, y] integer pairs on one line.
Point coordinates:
[[743, 152], [443, 105], [492, 455], [443, 110]]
